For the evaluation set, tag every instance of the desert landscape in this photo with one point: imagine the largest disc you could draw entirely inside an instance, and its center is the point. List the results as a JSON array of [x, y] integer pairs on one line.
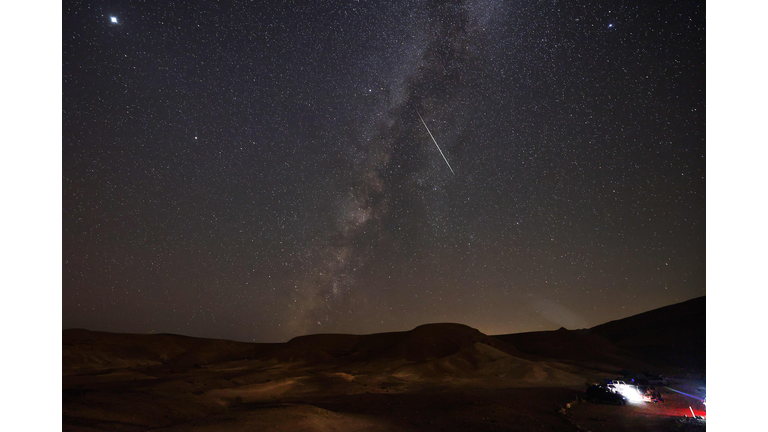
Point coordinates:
[[465, 215], [436, 377]]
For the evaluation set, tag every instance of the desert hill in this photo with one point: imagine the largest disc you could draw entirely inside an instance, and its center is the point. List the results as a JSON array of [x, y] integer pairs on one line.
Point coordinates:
[[665, 338], [674, 335], [86, 351], [426, 342], [671, 338], [430, 351]]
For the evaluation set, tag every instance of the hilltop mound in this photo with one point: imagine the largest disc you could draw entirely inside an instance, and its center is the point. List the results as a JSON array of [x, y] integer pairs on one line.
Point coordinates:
[[433, 341], [424, 343]]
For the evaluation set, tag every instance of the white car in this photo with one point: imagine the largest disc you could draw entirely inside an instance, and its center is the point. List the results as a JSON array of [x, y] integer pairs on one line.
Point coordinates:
[[614, 385]]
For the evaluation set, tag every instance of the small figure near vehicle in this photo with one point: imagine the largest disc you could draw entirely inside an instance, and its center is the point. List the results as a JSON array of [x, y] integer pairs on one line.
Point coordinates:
[[650, 394]]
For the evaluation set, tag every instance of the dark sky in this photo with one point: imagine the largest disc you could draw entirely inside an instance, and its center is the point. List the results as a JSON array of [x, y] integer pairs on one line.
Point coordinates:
[[258, 170]]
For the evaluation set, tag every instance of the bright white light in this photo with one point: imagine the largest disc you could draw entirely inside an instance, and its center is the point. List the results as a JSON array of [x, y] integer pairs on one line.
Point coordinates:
[[113, 19], [631, 393]]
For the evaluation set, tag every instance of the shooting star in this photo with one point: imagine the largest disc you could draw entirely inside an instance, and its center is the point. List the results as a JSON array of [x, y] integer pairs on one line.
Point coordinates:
[[433, 140]]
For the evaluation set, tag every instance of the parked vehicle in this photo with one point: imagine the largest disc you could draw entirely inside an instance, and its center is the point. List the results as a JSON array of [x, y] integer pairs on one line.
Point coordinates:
[[615, 385], [629, 391], [600, 394]]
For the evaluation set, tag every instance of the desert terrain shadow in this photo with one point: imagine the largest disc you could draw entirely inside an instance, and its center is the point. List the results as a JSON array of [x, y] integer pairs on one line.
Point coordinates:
[[436, 377]]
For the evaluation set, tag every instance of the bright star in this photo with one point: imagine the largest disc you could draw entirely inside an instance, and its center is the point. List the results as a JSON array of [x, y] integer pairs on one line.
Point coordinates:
[[113, 19], [610, 25]]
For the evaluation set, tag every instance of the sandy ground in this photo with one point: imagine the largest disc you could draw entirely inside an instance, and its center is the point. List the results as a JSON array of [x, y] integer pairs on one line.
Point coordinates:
[[243, 395]]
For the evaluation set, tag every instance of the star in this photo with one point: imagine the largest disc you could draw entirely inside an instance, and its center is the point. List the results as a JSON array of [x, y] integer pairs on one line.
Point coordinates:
[[113, 19]]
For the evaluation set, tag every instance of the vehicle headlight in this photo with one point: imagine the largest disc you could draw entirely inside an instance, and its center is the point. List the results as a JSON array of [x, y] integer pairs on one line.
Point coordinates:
[[632, 394]]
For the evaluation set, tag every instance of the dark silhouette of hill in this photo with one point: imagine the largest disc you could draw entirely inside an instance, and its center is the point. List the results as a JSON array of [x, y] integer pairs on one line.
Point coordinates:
[[674, 335], [426, 342], [89, 351], [671, 338]]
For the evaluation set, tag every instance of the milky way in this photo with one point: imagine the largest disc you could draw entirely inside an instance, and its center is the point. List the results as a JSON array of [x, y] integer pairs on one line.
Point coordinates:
[[449, 31], [258, 171]]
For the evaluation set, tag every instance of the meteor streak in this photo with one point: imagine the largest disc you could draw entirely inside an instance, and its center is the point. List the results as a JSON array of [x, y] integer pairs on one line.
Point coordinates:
[[433, 140]]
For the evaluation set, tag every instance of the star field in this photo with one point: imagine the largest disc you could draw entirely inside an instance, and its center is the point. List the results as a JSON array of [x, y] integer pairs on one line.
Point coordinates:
[[258, 170]]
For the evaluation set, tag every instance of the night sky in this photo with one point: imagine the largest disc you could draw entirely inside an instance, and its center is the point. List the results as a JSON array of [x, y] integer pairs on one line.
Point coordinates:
[[259, 170]]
